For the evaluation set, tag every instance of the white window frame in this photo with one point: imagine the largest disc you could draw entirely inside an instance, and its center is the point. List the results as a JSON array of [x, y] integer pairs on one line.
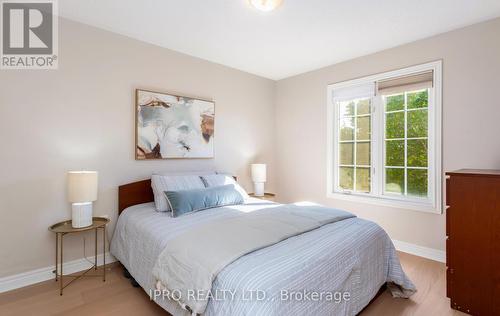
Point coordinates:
[[433, 203]]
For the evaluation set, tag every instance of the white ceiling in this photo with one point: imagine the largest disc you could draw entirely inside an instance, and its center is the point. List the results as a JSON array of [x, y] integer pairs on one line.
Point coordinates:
[[299, 36]]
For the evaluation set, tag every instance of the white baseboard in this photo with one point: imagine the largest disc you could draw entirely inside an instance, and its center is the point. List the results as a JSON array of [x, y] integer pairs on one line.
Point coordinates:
[[39, 275], [429, 253]]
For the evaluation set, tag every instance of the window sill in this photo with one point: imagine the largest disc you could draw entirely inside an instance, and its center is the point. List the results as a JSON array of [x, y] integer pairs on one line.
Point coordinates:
[[407, 205]]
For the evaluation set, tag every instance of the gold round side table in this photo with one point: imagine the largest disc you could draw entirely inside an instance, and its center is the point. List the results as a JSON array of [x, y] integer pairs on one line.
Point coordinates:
[[63, 228]]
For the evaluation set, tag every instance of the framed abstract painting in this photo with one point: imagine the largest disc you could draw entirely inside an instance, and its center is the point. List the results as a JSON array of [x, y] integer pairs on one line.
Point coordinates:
[[171, 126]]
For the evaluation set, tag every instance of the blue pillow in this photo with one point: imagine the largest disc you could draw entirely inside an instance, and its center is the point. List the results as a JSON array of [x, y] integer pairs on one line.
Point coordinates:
[[186, 201]]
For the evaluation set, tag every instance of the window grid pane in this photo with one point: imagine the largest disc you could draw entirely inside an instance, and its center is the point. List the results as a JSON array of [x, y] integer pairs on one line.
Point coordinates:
[[417, 123], [346, 153], [363, 179], [417, 182], [347, 129], [411, 179], [346, 178], [363, 154], [394, 178], [417, 99]]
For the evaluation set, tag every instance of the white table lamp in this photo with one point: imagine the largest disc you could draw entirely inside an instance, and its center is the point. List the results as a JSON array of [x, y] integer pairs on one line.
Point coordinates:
[[82, 191], [259, 178]]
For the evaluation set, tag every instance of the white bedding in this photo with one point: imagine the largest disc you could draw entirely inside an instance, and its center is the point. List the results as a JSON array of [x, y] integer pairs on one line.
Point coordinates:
[[353, 256]]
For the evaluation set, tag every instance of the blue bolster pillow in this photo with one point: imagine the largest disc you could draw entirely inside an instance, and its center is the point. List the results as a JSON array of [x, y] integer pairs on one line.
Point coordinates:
[[187, 201]]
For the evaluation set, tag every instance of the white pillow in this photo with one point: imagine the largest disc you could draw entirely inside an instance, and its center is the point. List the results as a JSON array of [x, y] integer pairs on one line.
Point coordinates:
[[160, 184], [214, 180]]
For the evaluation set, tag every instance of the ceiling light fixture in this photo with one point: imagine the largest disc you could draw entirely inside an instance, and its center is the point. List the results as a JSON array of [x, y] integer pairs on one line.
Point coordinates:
[[265, 5]]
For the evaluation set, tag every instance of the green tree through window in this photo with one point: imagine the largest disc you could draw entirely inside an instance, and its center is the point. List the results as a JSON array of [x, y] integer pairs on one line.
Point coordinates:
[[355, 145], [406, 143]]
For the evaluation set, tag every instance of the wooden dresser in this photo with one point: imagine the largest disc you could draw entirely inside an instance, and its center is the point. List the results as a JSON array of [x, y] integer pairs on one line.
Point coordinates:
[[473, 243]]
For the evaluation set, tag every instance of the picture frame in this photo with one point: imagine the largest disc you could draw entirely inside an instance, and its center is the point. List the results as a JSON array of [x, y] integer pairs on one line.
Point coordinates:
[[169, 126]]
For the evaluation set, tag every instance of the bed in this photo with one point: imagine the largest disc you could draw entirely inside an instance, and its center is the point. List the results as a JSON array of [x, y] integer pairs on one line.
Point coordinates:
[[352, 256]]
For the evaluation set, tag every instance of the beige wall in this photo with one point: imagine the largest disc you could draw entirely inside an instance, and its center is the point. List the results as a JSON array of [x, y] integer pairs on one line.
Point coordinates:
[[471, 122], [82, 116]]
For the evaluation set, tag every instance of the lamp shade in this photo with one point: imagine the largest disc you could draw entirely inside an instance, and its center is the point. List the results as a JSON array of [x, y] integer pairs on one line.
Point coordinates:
[[82, 186], [259, 172]]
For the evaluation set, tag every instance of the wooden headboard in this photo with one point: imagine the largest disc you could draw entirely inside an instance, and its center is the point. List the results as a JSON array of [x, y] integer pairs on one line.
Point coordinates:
[[136, 193]]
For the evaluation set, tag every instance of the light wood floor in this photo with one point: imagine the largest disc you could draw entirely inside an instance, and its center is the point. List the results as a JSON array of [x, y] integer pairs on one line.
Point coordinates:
[[91, 296], [430, 279]]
